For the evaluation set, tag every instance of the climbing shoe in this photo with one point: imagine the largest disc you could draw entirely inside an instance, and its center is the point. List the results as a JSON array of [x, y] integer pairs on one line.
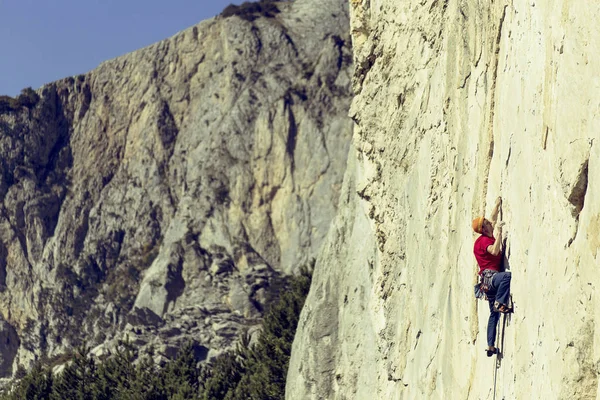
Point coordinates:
[[491, 352], [503, 308]]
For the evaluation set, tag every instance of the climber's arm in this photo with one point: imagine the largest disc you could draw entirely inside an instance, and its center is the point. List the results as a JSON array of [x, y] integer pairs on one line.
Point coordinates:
[[496, 210], [496, 248]]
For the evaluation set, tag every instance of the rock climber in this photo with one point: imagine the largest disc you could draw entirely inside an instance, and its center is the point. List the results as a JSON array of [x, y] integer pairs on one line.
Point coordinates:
[[493, 282]]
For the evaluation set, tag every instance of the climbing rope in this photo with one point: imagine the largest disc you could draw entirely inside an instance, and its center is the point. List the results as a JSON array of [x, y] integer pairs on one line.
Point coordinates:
[[499, 333], [500, 352], [497, 363]]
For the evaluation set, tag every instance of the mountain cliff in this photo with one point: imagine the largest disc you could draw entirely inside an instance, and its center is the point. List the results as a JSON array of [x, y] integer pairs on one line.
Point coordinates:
[[162, 196], [458, 102]]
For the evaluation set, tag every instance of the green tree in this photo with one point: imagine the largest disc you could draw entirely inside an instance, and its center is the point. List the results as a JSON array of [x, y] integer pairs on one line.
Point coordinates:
[[220, 378], [116, 374], [36, 385], [259, 371], [268, 360], [255, 371], [149, 384], [181, 375], [77, 380]]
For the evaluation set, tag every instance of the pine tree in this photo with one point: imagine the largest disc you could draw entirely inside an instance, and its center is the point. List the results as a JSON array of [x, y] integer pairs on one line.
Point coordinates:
[[181, 375], [221, 376], [36, 385], [149, 383], [256, 372], [116, 374], [77, 380], [268, 360]]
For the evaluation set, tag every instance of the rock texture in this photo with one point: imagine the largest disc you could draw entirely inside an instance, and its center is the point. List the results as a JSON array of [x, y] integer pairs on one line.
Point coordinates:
[[162, 195], [458, 102]]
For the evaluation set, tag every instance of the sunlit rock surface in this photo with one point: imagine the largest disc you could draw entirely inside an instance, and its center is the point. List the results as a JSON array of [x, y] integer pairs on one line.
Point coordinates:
[[458, 102], [161, 196]]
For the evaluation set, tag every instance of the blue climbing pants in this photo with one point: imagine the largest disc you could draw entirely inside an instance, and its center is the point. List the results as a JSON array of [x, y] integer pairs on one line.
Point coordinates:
[[501, 293]]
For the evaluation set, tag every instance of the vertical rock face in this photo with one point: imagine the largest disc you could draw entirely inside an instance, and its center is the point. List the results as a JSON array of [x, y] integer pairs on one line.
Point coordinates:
[[10, 346], [160, 195], [458, 102]]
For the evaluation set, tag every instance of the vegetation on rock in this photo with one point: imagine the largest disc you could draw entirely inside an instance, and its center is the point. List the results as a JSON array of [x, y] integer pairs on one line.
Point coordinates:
[[28, 98], [252, 371], [252, 10]]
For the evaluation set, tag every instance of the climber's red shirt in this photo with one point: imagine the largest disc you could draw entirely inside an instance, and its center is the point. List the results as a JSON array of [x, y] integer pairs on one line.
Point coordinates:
[[485, 259]]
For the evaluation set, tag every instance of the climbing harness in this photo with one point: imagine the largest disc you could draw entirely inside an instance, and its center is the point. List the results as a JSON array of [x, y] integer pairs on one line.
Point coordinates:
[[484, 289], [486, 281]]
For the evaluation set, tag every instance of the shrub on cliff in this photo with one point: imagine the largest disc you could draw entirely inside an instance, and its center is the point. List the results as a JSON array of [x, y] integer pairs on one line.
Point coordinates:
[[252, 10], [7, 104], [28, 99]]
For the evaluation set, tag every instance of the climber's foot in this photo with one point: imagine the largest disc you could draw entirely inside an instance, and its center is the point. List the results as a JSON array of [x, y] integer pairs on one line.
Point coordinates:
[[503, 308]]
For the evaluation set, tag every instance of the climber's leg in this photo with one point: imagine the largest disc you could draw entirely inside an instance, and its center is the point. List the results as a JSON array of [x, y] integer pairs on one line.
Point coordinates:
[[501, 283], [492, 324]]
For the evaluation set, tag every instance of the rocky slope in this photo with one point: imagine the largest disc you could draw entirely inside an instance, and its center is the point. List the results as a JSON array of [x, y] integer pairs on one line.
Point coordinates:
[[162, 195], [458, 102]]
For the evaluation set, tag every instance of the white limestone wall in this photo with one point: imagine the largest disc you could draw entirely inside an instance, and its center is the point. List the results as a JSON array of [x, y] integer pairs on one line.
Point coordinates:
[[458, 102]]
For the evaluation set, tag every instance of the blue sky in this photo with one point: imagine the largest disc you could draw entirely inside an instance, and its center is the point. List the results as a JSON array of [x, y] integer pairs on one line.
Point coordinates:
[[45, 40]]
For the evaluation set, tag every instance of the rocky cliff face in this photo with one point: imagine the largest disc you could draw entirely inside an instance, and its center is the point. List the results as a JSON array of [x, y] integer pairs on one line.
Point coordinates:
[[458, 102], [162, 195]]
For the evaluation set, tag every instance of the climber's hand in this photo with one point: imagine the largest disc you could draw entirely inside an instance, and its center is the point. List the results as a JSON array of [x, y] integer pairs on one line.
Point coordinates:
[[498, 228]]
